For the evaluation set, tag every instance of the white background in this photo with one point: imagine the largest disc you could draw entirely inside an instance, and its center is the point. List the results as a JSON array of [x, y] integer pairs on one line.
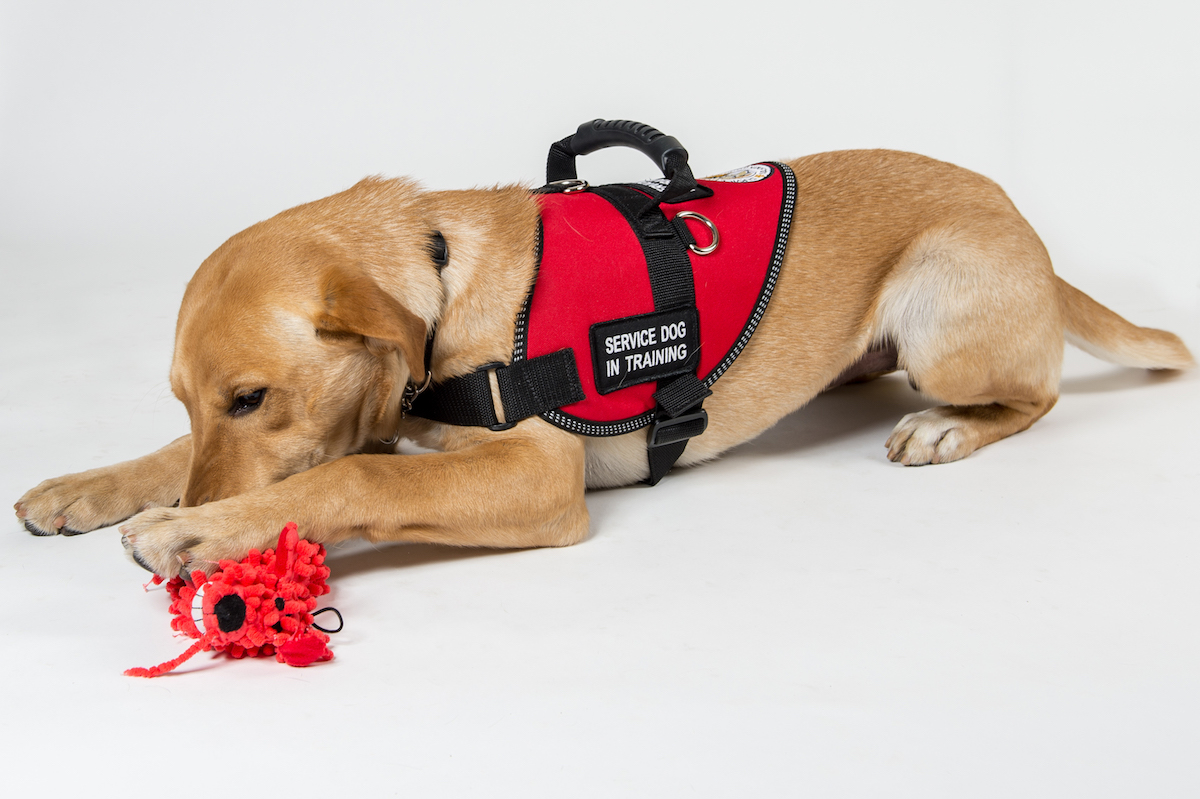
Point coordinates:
[[800, 618]]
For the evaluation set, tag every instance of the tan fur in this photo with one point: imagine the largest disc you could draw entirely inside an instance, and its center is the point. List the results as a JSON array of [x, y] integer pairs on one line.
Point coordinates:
[[327, 306]]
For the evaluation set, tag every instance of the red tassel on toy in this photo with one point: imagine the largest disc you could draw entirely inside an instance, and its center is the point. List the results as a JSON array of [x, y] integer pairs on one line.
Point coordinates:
[[163, 668], [261, 605], [285, 551]]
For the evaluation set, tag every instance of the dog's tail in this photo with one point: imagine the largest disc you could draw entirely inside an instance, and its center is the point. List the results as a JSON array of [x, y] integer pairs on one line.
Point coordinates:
[[1098, 331]]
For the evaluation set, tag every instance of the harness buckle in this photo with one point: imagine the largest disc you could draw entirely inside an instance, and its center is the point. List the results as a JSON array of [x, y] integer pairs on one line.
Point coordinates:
[[493, 371], [679, 428]]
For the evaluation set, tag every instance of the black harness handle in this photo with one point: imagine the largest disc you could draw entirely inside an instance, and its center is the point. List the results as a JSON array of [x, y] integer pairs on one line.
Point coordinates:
[[664, 150]]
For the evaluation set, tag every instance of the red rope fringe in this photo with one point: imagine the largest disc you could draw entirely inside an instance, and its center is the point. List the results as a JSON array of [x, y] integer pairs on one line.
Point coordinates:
[[170, 665]]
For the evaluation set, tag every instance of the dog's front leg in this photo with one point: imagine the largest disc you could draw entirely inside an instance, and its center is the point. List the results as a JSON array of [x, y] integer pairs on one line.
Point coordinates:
[[522, 488], [79, 503]]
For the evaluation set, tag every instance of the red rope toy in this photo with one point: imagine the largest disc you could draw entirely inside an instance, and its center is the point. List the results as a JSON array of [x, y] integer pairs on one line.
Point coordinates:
[[260, 606]]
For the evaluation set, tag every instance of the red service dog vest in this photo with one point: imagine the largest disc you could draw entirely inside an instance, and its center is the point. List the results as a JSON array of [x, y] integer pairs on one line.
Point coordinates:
[[637, 308], [593, 294]]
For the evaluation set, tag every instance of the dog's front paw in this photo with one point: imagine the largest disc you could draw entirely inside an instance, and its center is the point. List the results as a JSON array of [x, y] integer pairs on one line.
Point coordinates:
[[79, 503], [172, 541], [932, 436]]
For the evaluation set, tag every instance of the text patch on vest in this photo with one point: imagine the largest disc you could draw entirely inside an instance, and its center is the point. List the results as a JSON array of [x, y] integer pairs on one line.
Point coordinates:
[[639, 349]]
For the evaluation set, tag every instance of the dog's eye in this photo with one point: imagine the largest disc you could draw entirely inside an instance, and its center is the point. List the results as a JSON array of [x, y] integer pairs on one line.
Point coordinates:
[[245, 403]]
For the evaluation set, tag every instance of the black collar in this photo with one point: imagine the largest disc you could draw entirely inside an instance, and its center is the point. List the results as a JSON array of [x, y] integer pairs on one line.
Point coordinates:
[[439, 253]]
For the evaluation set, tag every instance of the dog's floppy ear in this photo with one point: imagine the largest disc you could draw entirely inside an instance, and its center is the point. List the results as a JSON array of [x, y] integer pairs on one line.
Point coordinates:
[[354, 304]]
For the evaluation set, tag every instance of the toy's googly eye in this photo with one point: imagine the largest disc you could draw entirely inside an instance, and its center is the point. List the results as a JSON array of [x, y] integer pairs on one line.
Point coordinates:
[[230, 611]]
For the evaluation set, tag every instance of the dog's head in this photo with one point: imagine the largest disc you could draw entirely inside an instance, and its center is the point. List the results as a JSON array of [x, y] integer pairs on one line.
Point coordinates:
[[296, 338]]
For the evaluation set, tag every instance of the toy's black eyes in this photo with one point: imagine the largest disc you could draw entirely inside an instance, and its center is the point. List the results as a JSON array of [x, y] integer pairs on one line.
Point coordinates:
[[245, 403], [279, 605], [230, 611]]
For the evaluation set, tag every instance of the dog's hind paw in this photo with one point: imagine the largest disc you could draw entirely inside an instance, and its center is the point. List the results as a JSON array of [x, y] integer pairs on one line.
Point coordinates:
[[936, 435]]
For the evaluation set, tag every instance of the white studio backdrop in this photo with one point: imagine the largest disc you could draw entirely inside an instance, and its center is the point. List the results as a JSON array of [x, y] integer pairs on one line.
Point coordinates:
[[1018, 624], [136, 123]]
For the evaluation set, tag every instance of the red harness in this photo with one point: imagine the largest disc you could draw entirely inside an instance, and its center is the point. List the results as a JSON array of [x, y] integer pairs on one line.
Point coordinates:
[[593, 274], [638, 307]]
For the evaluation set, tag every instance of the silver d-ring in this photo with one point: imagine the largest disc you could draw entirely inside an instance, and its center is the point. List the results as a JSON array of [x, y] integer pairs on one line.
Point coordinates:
[[569, 186], [409, 396], [716, 237]]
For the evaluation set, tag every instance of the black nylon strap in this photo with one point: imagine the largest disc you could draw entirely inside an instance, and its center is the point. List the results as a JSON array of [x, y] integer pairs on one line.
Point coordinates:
[[560, 163], [465, 400], [662, 458], [666, 254], [681, 394], [526, 387], [539, 385], [664, 243], [679, 418]]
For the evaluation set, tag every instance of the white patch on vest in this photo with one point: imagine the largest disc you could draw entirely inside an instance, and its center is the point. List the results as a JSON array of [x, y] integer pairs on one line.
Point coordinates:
[[745, 174], [638, 349]]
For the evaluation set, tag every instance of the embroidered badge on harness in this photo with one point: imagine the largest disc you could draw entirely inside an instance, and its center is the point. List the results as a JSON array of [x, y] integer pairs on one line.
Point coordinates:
[[639, 349]]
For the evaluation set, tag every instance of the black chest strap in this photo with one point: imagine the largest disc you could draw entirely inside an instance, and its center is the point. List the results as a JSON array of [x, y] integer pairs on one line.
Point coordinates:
[[679, 415], [527, 388]]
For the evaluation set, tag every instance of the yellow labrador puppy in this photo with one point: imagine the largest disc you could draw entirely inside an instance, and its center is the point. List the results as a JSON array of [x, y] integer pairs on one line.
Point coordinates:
[[298, 338]]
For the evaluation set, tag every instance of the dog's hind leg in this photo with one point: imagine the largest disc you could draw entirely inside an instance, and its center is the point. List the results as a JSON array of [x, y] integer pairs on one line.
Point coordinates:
[[973, 310], [972, 419]]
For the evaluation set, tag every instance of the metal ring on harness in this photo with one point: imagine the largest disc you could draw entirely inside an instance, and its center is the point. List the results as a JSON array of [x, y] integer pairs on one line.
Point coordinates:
[[411, 392], [716, 237], [568, 186]]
